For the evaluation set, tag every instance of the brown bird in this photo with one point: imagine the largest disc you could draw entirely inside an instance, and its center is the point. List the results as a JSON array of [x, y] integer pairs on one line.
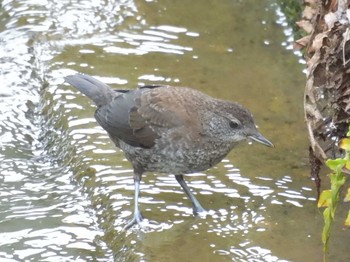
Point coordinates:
[[176, 130]]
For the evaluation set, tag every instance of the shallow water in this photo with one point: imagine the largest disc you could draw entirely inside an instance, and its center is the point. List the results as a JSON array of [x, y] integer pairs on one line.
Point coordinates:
[[66, 191]]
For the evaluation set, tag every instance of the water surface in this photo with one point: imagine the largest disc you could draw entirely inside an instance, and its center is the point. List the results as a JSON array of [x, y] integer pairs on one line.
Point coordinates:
[[66, 191]]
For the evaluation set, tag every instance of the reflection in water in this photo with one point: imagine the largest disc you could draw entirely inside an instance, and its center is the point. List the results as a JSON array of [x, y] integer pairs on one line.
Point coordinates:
[[66, 191]]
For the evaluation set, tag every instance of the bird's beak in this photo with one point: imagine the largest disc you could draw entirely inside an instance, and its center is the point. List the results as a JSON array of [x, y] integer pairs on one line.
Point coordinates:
[[261, 139]]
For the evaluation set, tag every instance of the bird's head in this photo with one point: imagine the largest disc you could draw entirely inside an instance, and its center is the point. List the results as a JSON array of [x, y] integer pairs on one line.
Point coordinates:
[[232, 123]]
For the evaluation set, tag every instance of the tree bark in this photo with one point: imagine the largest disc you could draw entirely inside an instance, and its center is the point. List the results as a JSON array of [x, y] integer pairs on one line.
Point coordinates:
[[327, 91]]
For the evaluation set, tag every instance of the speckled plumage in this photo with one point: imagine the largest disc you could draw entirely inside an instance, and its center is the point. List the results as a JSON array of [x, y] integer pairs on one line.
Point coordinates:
[[175, 130]]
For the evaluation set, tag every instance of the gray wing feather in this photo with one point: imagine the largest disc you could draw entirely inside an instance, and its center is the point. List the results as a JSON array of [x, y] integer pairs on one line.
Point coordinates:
[[121, 120]]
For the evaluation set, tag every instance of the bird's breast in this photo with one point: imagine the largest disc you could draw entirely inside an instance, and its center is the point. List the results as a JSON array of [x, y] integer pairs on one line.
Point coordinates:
[[181, 157]]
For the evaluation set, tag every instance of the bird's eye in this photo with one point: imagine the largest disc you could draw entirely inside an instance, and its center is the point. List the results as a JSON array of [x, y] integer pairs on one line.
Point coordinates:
[[233, 124]]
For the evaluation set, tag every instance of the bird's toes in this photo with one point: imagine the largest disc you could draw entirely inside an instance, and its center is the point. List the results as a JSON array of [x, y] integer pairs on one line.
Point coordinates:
[[136, 220], [200, 211]]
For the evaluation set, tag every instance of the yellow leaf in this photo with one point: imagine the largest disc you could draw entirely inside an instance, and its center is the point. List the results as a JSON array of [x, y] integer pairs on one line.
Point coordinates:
[[347, 166], [324, 199], [347, 221], [347, 197], [345, 144]]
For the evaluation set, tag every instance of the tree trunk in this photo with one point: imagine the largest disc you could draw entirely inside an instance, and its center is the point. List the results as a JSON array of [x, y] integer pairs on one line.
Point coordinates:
[[327, 91]]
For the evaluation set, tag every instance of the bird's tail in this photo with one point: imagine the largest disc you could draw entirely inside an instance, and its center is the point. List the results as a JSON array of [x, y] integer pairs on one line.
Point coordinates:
[[97, 91]]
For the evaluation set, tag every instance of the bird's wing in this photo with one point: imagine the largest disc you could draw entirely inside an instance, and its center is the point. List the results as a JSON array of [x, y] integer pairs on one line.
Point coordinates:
[[139, 117], [114, 118]]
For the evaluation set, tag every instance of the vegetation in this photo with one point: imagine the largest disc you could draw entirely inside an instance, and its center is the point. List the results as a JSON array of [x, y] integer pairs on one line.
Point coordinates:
[[293, 10], [331, 197], [325, 48]]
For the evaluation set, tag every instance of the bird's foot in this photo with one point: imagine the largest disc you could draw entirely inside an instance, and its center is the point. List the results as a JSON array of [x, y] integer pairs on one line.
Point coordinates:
[[200, 211], [136, 220]]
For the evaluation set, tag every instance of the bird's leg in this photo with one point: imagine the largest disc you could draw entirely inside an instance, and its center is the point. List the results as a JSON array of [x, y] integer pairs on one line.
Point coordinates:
[[137, 217], [197, 208]]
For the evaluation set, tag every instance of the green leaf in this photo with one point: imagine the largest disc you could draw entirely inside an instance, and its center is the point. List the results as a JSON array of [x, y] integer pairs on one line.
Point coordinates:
[[336, 164], [326, 228], [330, 198], [337, 181]]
